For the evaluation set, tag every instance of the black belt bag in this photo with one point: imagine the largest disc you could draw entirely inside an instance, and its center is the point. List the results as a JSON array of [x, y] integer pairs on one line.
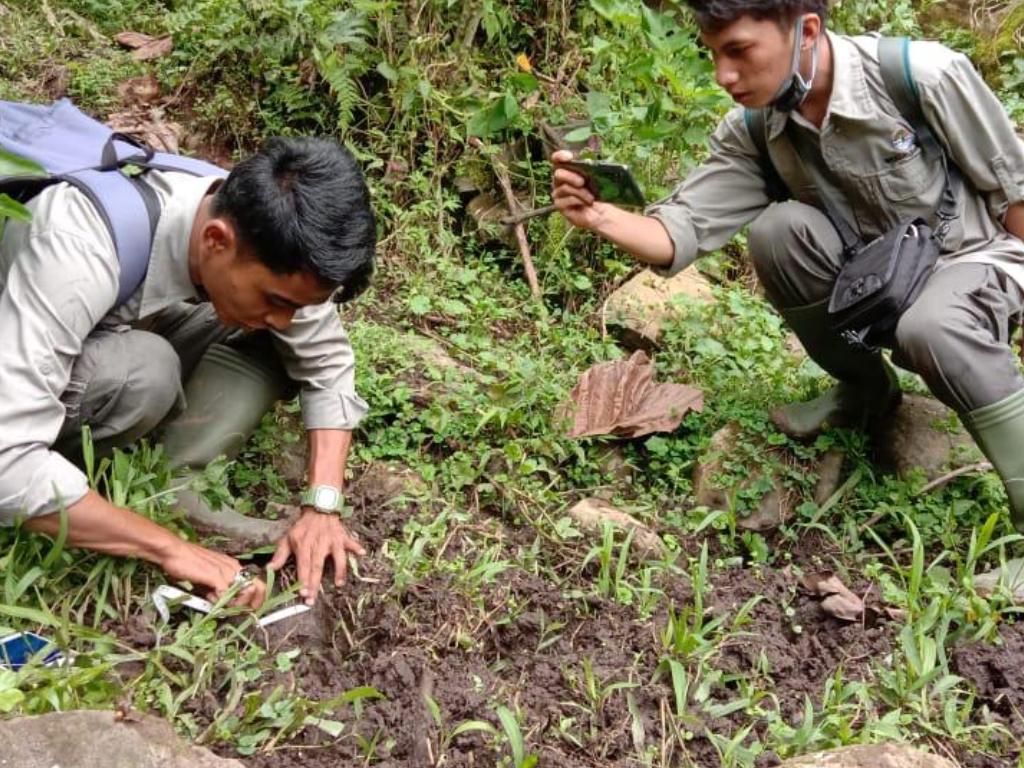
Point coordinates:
[[880, 281]]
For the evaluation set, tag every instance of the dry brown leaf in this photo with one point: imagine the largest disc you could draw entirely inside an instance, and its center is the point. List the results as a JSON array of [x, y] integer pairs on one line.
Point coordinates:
[[139, 90], [839, 601], [149, 127], [145, 47], [621, 398]]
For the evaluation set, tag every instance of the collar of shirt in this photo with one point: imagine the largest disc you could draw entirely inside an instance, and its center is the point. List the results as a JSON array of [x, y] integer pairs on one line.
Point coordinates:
[[850, 96], [167, 279]]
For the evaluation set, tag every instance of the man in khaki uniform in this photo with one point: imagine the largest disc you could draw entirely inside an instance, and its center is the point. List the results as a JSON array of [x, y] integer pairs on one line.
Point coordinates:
[[236, 308], [828, 90]]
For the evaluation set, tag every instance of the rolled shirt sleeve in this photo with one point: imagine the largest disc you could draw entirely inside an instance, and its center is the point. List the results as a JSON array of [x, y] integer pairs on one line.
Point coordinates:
[[717, 199], [973, 125], [316, 352], [58, 287]]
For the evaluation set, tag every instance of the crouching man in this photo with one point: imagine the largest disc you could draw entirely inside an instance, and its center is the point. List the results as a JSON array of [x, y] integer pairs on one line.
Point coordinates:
[[236, 310], [831, 131]]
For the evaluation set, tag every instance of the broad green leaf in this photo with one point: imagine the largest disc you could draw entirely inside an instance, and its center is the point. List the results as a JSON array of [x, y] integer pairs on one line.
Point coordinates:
[[12, 209], [13, 165]]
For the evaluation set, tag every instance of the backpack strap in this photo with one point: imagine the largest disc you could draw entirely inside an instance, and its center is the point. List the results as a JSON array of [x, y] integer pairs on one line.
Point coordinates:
[[894, 62], [129, 219], [898, 78], [757, 127], [81, 151]]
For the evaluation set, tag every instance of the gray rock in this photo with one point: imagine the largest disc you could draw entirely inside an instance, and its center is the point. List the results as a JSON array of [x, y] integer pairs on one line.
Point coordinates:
[[95, 739], [890, 755], [778, 504], [923, 435], [637, 310]]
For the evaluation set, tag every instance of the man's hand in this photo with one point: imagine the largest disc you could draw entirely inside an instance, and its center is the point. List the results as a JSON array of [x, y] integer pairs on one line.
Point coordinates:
[[313, 538], [94, 523], [572, 198], [213, 570]]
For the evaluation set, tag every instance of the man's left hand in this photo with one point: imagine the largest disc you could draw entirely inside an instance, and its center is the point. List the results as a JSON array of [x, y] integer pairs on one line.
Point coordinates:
[[313, 538]]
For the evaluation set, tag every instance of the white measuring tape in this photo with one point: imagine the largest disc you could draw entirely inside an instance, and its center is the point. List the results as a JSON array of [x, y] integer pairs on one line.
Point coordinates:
[[166, 597]]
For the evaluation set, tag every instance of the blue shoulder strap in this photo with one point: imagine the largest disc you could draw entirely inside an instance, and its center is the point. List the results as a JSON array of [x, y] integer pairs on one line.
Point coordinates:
[[74, 148]]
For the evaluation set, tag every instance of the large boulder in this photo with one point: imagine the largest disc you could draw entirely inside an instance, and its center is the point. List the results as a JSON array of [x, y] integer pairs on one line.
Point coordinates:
[[777, 503], [99, 739], [870, 756], [637, 310], [923, 434]]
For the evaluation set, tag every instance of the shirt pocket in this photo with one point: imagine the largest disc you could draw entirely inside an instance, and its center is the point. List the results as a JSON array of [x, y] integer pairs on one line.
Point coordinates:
[[912, 180]]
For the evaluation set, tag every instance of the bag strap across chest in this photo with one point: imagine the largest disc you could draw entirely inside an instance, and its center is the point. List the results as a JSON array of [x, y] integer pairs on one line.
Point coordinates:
[[74, 148], [894, 65]]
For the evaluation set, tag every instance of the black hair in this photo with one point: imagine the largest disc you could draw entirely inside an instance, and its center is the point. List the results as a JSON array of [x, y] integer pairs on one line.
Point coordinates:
[[301, 204], [715, 15]]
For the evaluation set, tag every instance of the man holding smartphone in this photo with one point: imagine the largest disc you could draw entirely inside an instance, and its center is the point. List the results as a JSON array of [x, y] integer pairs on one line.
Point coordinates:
[[775, 56]]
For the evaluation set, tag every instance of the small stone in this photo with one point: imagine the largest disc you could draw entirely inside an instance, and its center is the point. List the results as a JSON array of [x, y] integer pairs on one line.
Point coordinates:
[[890, 755], [1012, 576], [95, 739], [637, 310], [592, 514]]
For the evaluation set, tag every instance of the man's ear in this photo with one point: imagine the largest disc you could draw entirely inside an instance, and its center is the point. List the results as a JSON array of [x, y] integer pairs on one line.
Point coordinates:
[[812, 30], [219, 236]]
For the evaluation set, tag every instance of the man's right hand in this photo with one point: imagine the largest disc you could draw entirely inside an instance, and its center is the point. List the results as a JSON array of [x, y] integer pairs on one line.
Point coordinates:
[[215, 571], [94, 523], [572, 198]]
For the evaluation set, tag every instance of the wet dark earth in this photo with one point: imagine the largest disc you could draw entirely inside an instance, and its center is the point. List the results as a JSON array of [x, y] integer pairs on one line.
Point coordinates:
[[582, 672]]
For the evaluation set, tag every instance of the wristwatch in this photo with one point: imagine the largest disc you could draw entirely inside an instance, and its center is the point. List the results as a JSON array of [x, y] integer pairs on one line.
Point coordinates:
[[326, 499]]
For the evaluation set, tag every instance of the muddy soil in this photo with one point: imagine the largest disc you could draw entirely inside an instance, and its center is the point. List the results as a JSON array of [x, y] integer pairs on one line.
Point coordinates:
[[523, 642]]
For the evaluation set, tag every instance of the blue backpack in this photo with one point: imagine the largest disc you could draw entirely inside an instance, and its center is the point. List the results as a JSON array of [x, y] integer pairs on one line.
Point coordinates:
[[72, 147]]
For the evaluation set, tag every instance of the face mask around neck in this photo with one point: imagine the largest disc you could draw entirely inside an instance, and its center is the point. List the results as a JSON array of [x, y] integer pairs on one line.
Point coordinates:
[[794, 88]]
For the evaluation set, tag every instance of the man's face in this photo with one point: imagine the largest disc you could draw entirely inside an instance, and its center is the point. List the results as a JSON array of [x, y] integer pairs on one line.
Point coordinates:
[[752, 58], [245, 293]]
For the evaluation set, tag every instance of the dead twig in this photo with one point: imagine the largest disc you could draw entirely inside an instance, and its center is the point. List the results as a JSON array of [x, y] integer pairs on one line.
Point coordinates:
[[939, 482], [513, 206], [533, 213]]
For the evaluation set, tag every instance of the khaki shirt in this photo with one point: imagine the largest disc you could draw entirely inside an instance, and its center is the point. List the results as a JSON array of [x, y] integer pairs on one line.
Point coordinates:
[[59, 280], [883, 176]]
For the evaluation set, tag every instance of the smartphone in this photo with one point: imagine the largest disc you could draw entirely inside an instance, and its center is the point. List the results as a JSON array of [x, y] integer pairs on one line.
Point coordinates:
[[609, 182], [18, 649]]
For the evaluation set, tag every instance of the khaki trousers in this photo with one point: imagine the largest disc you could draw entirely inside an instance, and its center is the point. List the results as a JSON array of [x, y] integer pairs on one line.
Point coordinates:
[[128, 380]]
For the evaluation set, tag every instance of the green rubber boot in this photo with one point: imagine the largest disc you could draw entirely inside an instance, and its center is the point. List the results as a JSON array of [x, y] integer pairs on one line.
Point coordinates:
[[998, 429], [227, 395], [867, 390]]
